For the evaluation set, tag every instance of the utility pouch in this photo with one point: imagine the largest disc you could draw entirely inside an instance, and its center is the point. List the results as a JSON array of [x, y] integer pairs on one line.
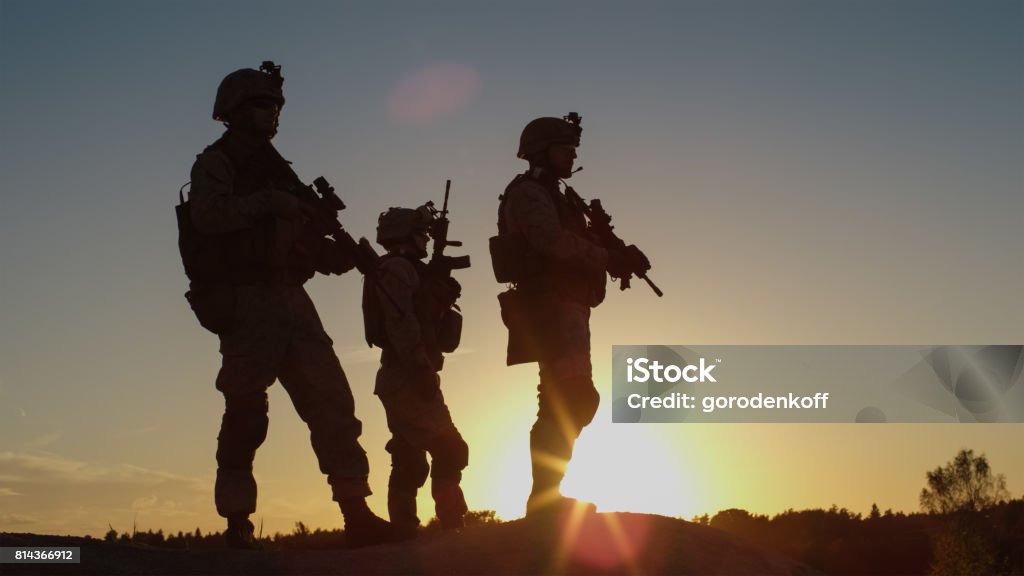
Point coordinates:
[[449, 331], [208, 259], [189, 242], [373, 316], [529, 317], [213, 305], [503, 259], [513, 260]]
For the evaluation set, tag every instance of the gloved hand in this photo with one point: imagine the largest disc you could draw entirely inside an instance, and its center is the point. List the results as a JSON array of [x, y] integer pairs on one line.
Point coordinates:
[[333, 258], [425, 381], [287, 206], [626, 261]]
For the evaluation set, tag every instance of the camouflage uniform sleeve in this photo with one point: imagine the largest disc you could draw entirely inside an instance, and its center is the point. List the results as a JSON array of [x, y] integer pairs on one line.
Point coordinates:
[[531, 211], [397, 283], [215, 210]]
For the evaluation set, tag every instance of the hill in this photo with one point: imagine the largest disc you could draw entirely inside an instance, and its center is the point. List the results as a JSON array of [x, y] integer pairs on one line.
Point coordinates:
[[611, 543]]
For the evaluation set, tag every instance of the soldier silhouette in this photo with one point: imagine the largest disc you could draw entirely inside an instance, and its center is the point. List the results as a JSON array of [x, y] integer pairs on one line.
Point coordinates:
[[408, 312], [558, 271], [248, 245]]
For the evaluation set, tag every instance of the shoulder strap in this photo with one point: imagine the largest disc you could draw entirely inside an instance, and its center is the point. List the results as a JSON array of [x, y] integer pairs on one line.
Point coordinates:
[[181, 193], [503, 198]]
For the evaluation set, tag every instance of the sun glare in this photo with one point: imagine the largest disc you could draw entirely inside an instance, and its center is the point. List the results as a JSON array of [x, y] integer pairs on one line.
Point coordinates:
[[629, 468]]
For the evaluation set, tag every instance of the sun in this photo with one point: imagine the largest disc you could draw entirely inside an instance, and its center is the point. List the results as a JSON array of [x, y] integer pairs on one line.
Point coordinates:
[[630, 468], [644, 468]]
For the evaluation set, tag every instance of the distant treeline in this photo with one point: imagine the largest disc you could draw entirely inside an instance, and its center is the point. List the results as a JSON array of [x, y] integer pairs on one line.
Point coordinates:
[[833, 541], [300, 538], [836, 541]]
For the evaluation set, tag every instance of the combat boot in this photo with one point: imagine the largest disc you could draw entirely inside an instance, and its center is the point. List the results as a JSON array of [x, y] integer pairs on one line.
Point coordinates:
[[402, 511], [363, 527], [553, 503], [240, 534], [546, 495], [449, 503]]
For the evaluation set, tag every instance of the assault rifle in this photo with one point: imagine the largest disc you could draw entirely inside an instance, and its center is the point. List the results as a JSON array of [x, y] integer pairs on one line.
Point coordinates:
[[600, 224], [324, 205], [439, 262], [448, 326]]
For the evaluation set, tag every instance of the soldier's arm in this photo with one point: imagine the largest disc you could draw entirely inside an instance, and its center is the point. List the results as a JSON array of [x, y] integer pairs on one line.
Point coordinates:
[[530, 209], [333, 258], [397, 284], [214, 209]]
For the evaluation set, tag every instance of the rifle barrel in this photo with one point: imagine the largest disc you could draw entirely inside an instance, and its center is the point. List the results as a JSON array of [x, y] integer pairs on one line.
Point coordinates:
[[652, 285]]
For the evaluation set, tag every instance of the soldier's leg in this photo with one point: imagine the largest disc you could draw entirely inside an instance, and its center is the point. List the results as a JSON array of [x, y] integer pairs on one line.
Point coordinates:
[[450, 455], [567, 402], [409, 470], [242, 430], [317, 385], [426, 424], [250, 353]]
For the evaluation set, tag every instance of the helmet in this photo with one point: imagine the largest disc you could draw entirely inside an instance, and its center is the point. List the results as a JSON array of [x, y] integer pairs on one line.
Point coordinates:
[[248, 84], [400, 224], [542, 133]]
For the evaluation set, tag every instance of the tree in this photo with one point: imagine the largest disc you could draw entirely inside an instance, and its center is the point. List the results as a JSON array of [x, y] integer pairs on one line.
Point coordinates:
[[961, 550], [965, 484], [958, 491]]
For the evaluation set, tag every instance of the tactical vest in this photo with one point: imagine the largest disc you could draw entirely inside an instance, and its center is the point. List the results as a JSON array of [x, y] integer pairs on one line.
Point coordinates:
[[244, 256], [516, 261]]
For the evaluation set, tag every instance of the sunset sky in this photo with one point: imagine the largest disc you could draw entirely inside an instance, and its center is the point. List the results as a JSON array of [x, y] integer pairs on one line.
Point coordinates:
[[831, 172]]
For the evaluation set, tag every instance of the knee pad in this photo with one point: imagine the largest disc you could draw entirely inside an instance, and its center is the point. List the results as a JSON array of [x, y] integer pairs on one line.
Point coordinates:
[[567, 399], [409, 467], [583, 400], [451, 455], [243, 429]]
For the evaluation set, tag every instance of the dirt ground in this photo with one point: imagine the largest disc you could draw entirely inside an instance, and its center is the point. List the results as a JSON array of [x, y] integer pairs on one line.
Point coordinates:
[[594, 544]]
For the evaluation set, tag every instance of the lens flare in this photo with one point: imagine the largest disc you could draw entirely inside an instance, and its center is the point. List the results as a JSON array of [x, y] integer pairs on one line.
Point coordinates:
[[432, 92], [600, 542]]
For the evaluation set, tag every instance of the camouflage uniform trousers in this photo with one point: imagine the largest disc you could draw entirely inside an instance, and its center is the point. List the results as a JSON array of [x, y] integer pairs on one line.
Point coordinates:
[[566, 396], [419, 426], [277, 334]]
